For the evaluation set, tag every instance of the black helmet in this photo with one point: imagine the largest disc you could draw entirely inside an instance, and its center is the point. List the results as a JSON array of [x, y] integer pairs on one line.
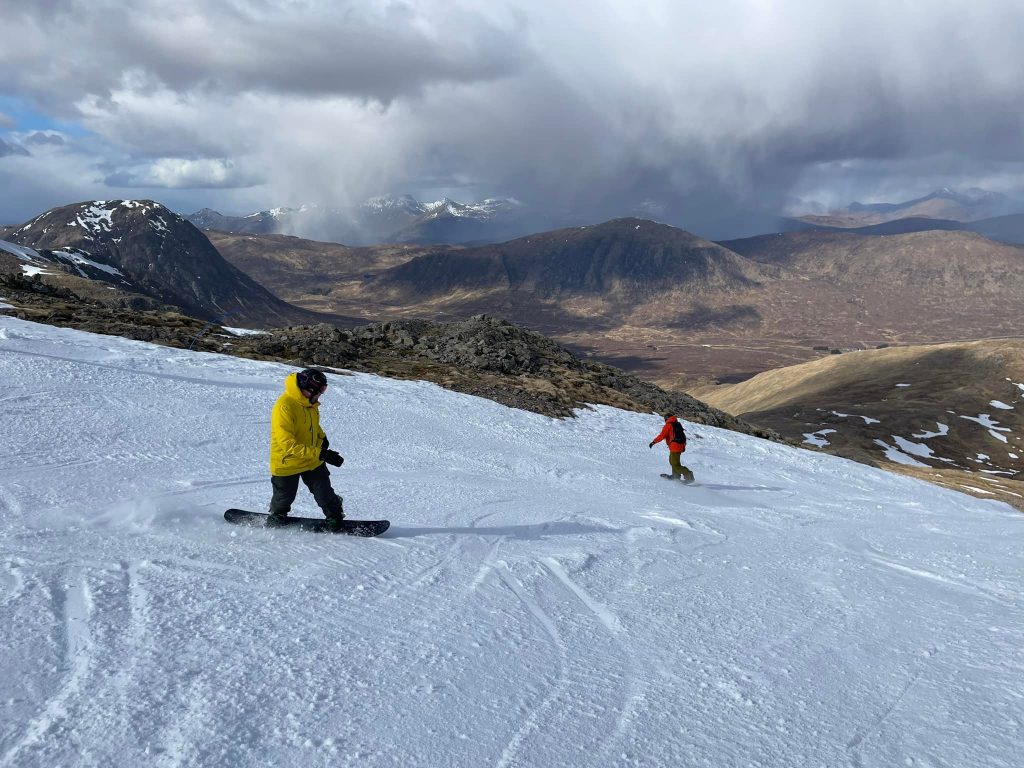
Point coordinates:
[[311, 380]]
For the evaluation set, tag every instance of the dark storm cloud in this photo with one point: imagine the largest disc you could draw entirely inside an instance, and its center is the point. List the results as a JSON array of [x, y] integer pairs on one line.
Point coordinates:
[[703, 112], [313, 49]]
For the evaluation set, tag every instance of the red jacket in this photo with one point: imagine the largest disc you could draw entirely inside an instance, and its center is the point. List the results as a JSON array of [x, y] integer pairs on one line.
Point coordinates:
[[666, 435]]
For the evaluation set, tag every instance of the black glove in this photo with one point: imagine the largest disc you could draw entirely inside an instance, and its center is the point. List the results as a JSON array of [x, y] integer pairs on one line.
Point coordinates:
[[650, 444], [332, 457]]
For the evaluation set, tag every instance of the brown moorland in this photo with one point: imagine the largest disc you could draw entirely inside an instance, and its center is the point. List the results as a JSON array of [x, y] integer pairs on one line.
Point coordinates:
[[666, 304], [949, 413]]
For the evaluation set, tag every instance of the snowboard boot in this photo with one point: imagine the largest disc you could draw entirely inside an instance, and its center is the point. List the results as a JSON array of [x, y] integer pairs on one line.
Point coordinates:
[[334, 517], [276, 520]]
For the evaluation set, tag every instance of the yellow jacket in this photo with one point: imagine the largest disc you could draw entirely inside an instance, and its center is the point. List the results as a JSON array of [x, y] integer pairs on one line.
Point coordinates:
[[295, 434]]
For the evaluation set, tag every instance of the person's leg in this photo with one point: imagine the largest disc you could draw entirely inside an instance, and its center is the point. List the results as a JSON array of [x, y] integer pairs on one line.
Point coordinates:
[[319, 483], [674, 462], [687, 474], [285, 489]]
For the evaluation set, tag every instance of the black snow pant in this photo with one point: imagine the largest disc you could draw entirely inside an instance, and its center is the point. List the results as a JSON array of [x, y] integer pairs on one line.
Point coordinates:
[[319, 483]]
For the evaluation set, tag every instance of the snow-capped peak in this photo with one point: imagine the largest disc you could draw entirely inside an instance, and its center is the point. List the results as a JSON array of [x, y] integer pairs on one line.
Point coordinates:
[[392, 202]]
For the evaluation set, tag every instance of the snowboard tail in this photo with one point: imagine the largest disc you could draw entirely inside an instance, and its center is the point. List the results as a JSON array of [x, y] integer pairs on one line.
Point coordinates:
[[317, 525]]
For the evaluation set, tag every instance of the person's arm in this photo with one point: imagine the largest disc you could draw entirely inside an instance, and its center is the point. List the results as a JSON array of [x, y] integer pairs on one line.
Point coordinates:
[[663, 435]]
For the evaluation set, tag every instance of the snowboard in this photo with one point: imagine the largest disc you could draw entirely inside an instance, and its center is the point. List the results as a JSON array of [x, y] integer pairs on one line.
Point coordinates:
[[317, 525], [677, 479]]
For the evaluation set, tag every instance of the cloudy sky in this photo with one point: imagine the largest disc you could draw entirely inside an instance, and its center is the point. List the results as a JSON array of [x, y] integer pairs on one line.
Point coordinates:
[[697, 112]]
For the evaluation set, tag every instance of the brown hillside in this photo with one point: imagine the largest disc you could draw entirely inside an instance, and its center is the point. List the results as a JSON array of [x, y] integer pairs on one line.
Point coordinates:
[[944, 411], [312, 273], [933, 260]]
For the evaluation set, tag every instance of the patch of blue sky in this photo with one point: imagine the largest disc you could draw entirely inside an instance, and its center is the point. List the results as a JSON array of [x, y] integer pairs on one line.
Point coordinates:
[[27, 118]]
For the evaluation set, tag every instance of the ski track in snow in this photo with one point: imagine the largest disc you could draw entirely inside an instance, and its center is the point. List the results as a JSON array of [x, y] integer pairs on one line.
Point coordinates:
[[541, 599], [73, 604]]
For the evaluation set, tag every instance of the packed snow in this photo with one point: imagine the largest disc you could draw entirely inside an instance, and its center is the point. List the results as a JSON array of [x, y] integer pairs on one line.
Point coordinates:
[[36, 263], [991, 425], [915, 449], [81, 261], [818, 438], [542, 598], [23, 253], [96, 218], [894, 454], [927, 435], [867, 419]]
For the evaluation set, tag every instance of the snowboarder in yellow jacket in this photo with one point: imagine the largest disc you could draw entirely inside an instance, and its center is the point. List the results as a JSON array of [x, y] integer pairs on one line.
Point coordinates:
[[299, 448]]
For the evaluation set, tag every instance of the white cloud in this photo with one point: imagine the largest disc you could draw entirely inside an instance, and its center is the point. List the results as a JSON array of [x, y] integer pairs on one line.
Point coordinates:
[[178, 173]]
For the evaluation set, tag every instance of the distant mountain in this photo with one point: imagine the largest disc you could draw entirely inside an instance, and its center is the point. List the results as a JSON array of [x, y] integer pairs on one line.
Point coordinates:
[[152, 251], [906, 226], [447, 221], [385, 219], [948, 204], [627, 260], [1006, 229], [919, 262]]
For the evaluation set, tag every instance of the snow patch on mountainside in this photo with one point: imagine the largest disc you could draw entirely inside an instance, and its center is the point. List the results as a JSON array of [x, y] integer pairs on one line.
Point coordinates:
[[22, 252]]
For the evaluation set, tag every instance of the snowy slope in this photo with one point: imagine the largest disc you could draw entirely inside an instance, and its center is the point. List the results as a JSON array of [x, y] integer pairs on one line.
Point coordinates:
[[542, 599]]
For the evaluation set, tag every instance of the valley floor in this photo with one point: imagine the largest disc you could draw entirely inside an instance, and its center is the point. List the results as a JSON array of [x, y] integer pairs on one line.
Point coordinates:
[[542, 598]]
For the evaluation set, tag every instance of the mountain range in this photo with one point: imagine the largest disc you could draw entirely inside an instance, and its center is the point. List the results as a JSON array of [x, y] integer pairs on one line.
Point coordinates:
[[947, 204], [663, 302], [385, 219], [404, 219], [653, 298]]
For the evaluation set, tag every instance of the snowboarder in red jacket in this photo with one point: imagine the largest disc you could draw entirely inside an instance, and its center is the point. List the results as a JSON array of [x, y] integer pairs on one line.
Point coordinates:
[[674, 436]]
